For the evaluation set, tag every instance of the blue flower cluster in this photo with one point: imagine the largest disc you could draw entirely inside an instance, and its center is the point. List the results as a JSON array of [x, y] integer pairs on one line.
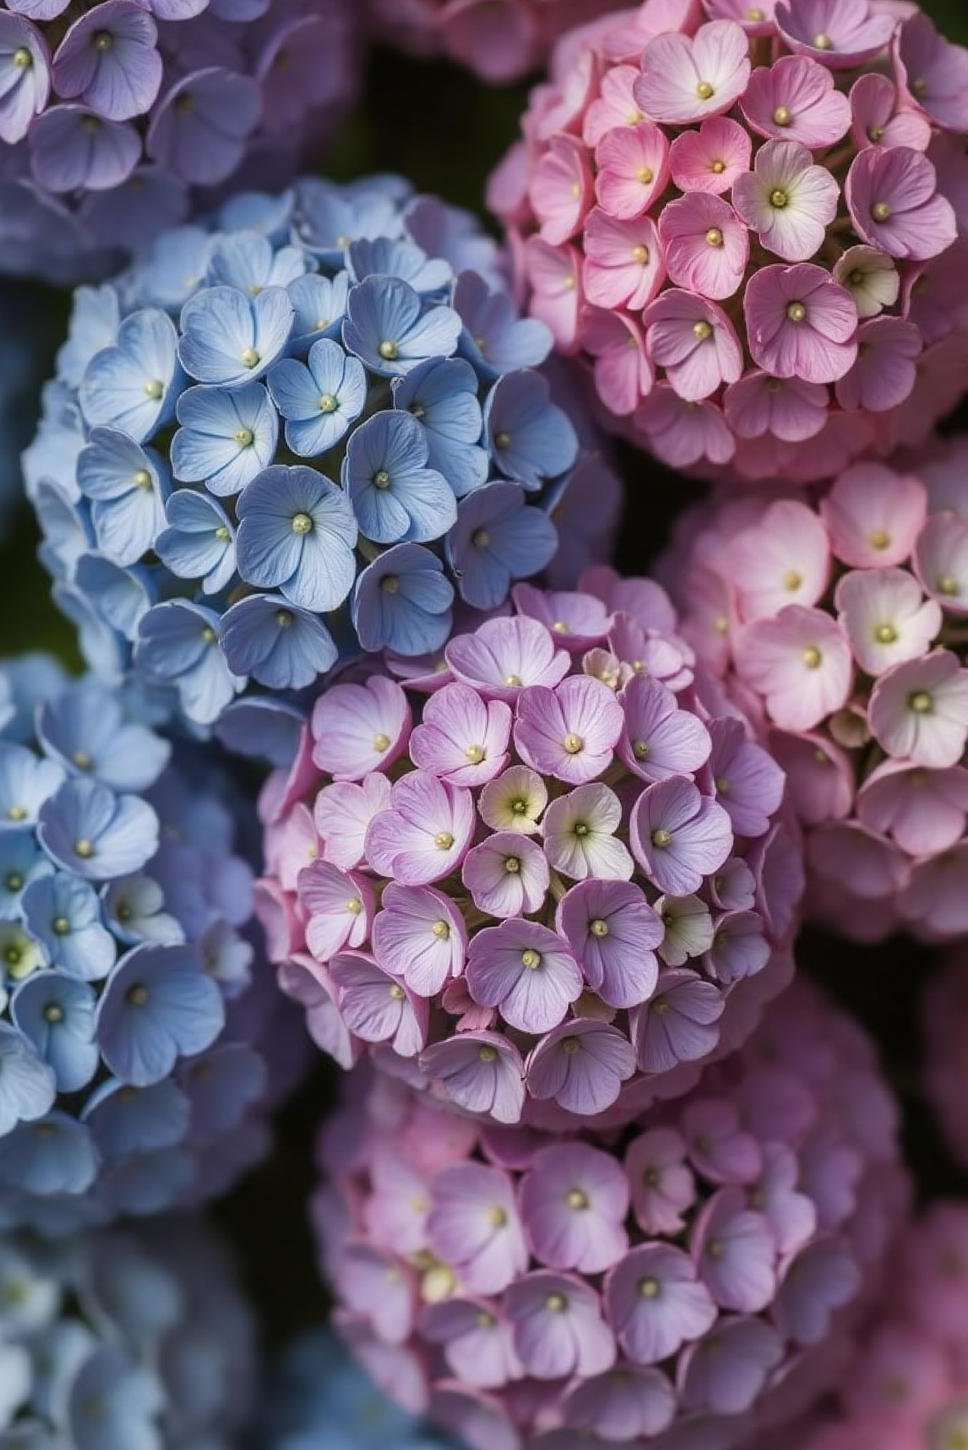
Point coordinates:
[[123, 1341], [322, 1400], [305, 430], [137, 1058]]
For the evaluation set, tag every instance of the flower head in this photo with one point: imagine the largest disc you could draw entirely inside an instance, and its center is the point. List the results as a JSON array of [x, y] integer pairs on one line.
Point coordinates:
[[136, 1054], [323, 415], [538, 879], [120, 119], [791, 163], [835, 620], [646, 1283]]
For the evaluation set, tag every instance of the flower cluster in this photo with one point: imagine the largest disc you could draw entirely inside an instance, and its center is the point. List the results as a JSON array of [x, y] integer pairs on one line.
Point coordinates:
[[749, 225], [305, 430], [123, 1341], [547, 876], [117, 118], [841, 625], [498, 41], [136, 1058], [905, 1386], [678, 1283], [321, 1400], [945, 1050]]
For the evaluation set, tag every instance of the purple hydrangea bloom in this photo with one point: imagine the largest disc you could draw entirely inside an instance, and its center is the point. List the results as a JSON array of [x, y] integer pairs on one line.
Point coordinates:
[[283, 404], [528, 896], [118, 119], [678, 1284], [138, 1064]]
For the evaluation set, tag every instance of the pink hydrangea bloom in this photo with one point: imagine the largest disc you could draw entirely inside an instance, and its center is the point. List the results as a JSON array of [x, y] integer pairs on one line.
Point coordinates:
[[903, 1381], [838, 625], [552, 879], [704, 186], [670, 1283]]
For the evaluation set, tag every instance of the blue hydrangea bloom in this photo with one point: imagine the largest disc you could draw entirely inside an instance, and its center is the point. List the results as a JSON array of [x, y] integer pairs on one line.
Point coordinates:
[[140, 1047], [278, 439], [319, 1399], [134, 1340]]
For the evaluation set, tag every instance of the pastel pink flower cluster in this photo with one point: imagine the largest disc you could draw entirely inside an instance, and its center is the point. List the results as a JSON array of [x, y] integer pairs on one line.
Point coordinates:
[[497, 39], [678, 1284], [944, 1033], [906, 1385], [748, 220], [841, 625], [546, 876]]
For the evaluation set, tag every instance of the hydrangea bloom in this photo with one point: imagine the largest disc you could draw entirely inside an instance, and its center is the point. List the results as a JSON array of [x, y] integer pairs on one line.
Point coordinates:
[[324, 417], [124, 1339], [545, 874], [138, 1053], [118, 119], [748, 223], [675, 1284], [498, 41], [904, 1386], [837, 624], [320, 1399]]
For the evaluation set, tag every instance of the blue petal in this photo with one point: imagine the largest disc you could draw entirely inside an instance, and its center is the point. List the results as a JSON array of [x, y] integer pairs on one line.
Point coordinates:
[[280, 646]]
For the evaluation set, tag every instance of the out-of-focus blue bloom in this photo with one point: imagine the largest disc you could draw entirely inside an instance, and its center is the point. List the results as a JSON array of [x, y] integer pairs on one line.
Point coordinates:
[[320, 398], [297, 533], [199, 542], [87, 732], [320, 1400], [133, 385], [26, 682], [131, 1341], [264, 728], [403, 602], [178, 645], [226, 437], [123, 948], [357, 327], [395, 496], [279, 645], [119, 596]]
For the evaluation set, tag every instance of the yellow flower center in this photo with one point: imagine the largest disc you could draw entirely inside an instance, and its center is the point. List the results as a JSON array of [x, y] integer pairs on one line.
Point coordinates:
[[441, 930], [302, 524], [811, 657], [640, 253], [502, 440], [718, 166], [388, 350], [701, 330], [921, 702], [244, 437], [397, 992], [947, 584], [443, 840], [557, 1303], [649, 1288], [354, 906], [797, 312], [485, 1053], [53, 1012], [22, 58], [822, 41], [779, 198], [531, 959], [84, 848], [782, 116], [645, 174], [480, 538], [661, 837], [154, 388], [475, 754], [137, 996], [328, 404], [512, 865], [886, 634], [714, 237], [576, 1198], [497, 1216], [880, 211], [250, 357], [640, 749], [705, 91], [103, 40], [573, 744], [381, 478], [598, 927]]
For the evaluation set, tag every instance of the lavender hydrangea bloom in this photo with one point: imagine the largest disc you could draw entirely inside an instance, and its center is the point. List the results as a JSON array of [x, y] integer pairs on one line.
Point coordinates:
[[137, 1061], [322, 414], [116, 119], [679, 1284], [102, 1345]]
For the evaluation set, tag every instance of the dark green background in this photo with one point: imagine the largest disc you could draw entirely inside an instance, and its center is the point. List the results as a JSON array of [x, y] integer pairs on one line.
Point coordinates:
[[445, 131]]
